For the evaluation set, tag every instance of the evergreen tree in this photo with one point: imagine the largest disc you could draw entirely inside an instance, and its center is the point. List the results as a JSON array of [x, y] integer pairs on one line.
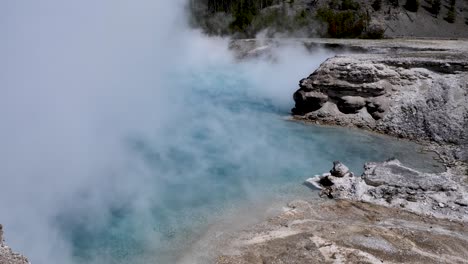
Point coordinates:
[[451, 12], [435, 7], [377, 5], [349, 5], [243, 12], [450, 16], [412, 5]]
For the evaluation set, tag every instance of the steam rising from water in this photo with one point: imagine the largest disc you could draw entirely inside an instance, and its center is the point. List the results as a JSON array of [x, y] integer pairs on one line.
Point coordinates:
[[121, 129]]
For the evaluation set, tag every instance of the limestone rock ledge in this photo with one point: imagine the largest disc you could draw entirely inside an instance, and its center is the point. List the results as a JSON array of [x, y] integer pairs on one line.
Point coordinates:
[[410, 96], [7, 256], [392, 184]]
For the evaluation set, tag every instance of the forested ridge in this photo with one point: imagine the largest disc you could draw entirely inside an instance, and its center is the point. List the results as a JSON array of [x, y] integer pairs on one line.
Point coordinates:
[[322, 18]]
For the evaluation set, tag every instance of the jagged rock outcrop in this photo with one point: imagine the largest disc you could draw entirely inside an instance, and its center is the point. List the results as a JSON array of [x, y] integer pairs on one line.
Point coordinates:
[[7, 256], [392, 184], [411, 97]]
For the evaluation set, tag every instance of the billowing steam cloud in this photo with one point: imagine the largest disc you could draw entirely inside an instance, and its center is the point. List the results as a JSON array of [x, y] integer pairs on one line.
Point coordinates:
[[86, 87], [120, 129]]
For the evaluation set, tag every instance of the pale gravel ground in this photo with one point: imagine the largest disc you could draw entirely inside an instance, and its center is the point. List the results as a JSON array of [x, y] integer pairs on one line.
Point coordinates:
[[245, 48], [348, 232]]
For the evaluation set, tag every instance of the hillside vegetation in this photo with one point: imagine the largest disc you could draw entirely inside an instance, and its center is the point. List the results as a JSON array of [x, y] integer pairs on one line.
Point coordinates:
[[331, 18]]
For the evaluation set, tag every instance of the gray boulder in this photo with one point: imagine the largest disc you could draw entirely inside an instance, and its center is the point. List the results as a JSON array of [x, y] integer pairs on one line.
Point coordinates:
[[339, 170]]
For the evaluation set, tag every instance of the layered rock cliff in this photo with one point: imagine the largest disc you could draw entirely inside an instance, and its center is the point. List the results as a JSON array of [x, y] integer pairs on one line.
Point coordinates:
[[411, 95]]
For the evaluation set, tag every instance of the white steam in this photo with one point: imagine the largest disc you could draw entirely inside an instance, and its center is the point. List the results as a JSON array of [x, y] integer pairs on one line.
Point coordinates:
[[77, 80]]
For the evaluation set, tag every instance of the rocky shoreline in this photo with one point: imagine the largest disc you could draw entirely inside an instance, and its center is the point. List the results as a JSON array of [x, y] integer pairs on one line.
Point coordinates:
[[391, 213], [344, 231], [412, 98], [420, 95], [392, 184]]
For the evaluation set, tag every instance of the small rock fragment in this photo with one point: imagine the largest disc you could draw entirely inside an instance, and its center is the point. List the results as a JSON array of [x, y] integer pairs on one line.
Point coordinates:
[[339, 170]]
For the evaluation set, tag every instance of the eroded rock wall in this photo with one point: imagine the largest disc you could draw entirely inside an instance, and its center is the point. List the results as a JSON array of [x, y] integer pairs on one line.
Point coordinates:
[[411, 97]]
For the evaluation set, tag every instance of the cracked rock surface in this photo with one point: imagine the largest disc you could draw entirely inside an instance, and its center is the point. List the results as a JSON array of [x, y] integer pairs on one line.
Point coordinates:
[[391, 214], [344, 231]]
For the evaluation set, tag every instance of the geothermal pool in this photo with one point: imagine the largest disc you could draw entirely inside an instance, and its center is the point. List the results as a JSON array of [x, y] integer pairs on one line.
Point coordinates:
[[125, 134], [226, 149]]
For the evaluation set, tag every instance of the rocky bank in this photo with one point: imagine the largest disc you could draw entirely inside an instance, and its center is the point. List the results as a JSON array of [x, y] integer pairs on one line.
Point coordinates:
[[391, 184], [7, 256], [419, 96], [391, 213]]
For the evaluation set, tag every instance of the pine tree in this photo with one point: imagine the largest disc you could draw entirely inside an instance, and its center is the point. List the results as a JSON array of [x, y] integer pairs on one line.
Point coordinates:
[[377, 5], [450, 16], [412, 5], [435, 7], [451, 12]]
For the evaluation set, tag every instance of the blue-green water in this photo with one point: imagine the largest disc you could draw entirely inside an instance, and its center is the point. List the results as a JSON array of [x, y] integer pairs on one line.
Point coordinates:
[[124, 134], [228, 147]]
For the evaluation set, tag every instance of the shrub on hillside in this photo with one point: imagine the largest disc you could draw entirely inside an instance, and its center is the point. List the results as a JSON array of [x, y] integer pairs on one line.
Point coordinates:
[[343, 24], [302, 18], [375, 31]]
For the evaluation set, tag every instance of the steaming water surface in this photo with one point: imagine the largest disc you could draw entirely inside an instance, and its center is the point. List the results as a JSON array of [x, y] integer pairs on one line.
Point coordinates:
[[124, 135], [227, 148]]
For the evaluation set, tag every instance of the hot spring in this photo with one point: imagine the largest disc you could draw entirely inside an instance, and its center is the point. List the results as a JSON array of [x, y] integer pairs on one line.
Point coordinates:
[[125, 134]]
